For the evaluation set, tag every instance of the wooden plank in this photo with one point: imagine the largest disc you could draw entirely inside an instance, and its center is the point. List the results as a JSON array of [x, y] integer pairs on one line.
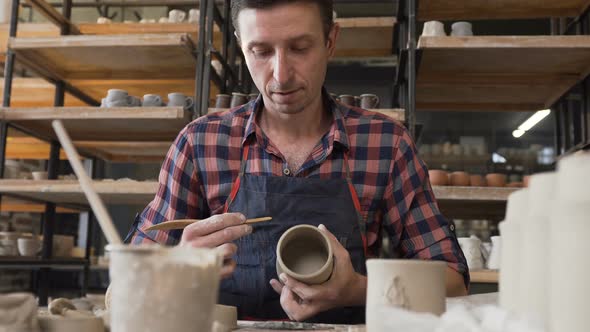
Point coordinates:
[[70, 192], [11, 204], [473, 73], [485, 276], [111, 124], [31, 92], [47, 10], [146, 56], [365, 37], [472, 193], [29, 148], [499, 9], [126, 151]]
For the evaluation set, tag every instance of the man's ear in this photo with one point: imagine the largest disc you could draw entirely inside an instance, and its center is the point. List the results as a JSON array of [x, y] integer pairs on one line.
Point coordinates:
[[332, 37], [238, 38]]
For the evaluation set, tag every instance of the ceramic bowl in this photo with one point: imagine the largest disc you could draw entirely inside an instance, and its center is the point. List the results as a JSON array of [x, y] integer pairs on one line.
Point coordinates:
[[438, 177], [305, 254], [28, 246], [460, 179], [496, 180], [477, 181]]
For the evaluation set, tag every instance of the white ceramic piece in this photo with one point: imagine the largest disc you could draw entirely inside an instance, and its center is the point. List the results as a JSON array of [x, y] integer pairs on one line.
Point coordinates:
[[462, 29], [176, 16], [472, 250], [434, 28], [493, 262], [415, 285]]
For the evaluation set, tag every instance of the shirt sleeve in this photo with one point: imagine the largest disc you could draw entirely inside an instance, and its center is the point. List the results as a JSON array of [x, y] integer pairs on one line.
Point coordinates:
[[415, 225], [179, 195]]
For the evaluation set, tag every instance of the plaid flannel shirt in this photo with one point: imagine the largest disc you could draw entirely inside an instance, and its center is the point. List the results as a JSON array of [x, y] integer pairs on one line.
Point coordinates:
[[390, 179]]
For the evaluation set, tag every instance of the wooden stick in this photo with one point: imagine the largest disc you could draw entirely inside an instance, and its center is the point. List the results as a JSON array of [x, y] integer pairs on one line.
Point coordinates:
[[182, 223], [98, 207]]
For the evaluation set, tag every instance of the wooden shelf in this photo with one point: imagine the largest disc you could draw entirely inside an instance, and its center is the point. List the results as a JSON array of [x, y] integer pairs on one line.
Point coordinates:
[[31, 92], [11, 204], [70, 192], [365, 37], [472, 202], [108, 56], [499, 73], [144, 152], [103, 124], [499, 9], [485, 276]]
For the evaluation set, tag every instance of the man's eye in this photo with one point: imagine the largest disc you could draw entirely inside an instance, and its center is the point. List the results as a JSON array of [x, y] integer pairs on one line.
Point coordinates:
[[300, 49], [261, 52]]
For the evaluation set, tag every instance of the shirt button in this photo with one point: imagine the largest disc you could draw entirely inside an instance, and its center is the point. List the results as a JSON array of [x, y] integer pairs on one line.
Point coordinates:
[[287, 171]]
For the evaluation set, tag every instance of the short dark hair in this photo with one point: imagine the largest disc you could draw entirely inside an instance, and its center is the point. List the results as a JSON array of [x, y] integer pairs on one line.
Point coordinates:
[[326, 7]]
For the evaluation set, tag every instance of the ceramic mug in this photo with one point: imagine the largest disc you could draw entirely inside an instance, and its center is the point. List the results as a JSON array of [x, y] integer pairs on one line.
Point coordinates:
[[222, 101], [434, 28], [416, 285], [41, 175], [176, 16], [28, 246], [238, 99], [306, 254], [347, 100], [119, 98], [193, 15], [493, 262], [177, 99], [151, 100], [462, 29], [369, 101], [472, 250], [8, 247]]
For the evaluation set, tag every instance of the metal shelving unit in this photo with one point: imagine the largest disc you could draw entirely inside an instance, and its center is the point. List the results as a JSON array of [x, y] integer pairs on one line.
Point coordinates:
[[43, 55]]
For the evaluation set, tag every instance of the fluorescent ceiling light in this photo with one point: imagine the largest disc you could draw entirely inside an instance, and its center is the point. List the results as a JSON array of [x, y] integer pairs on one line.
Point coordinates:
[[534, 119], [518, 133], [530, 123]]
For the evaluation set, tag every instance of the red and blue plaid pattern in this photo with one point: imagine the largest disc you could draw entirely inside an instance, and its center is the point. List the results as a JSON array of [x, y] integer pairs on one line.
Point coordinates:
[[390, 179]]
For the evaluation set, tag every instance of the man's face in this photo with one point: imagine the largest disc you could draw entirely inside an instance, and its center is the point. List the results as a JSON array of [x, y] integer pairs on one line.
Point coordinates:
[[287, 53]]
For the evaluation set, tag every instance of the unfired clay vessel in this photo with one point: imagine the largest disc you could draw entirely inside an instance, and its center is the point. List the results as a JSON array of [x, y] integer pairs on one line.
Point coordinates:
[[415, 285], [460, 179], [157, 288], [496, 180], [225, 318], [477, 181], [438, 177], [306, 254]]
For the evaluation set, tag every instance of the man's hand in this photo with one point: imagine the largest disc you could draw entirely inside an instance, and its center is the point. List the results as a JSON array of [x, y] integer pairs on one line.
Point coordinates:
[[344, 288], [218, 232]]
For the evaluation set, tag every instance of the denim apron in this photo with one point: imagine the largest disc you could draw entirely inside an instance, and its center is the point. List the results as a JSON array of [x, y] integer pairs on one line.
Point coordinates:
[[290, 201]]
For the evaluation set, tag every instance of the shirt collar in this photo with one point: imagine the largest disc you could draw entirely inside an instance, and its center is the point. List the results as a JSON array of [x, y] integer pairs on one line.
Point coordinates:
[[339, 112]]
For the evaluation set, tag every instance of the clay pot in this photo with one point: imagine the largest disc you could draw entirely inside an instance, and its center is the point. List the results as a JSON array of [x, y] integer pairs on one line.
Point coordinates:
[[225, 318], [223, 101], [145, 277], [460, 179], [477, 181], [438, 177], [496, 180], [305, 253], [416, 285]]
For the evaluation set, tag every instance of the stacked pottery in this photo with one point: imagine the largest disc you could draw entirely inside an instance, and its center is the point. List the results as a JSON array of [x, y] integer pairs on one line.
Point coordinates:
[[535, 248], [438, 177], [510, 260], [569, 226], [460, 179]]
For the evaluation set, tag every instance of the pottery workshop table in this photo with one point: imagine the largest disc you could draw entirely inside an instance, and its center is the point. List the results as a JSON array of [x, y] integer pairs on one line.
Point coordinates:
[[245, 326]]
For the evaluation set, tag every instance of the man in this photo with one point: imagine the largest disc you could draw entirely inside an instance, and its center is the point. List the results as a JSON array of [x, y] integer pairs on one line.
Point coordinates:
[[300, 157]]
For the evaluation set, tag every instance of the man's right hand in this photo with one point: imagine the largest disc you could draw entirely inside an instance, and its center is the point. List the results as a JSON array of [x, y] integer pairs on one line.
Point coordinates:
[[218, 231]]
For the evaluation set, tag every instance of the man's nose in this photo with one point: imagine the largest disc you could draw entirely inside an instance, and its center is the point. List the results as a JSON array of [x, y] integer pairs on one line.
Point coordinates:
[[282, 68]]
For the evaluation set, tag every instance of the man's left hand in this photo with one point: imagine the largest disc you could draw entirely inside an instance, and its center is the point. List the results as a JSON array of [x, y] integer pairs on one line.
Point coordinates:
[[344, 288]]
